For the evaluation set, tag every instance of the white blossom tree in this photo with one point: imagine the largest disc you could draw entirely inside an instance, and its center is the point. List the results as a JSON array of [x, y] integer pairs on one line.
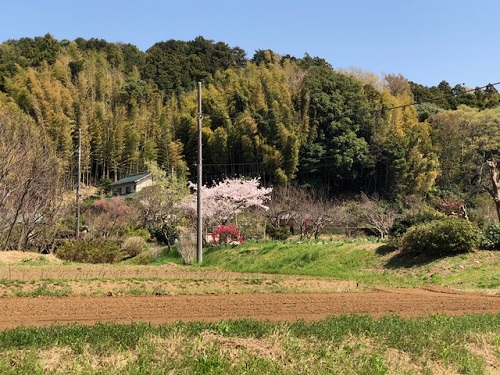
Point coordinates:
[[226, 199], [160, 204]]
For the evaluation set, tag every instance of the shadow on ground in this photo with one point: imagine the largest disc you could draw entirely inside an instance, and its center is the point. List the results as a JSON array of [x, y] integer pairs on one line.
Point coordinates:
[[404, 260]]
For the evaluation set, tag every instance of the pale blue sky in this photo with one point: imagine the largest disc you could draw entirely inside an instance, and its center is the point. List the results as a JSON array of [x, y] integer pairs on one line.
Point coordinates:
[[425, 41]]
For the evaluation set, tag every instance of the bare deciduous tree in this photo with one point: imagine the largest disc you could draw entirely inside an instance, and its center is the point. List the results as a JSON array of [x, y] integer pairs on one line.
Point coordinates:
[[378, 215], [313, 213], [494, 190], [30, 186], [282, 205], [295, 206]]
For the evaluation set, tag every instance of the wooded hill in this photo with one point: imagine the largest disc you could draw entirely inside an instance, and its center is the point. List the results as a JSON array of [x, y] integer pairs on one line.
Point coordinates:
[[283, 118]]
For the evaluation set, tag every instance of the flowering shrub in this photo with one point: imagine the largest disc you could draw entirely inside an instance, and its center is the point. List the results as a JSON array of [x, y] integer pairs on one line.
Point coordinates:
[[112, 216], [227, 234]]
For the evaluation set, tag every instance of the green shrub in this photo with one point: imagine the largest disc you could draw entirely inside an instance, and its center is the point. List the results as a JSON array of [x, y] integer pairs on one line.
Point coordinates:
[[165, 234], [133, 246], [137, 232], [491, 237], [251, 226], [440, 238], [280, 233], [401, 225], [144, 258], [89, 251]]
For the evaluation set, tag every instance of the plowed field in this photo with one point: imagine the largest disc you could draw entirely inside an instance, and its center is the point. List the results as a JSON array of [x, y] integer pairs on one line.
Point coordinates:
[[45, 311], [169, 293]]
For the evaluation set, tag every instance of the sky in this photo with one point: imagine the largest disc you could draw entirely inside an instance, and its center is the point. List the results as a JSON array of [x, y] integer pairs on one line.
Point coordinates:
[[426, 41]]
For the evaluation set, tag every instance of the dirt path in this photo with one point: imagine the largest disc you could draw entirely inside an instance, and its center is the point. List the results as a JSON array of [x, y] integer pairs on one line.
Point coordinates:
[[45, 311]]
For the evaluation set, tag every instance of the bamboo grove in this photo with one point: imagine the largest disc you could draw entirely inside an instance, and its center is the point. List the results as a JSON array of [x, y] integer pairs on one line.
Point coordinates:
[[281, 118]]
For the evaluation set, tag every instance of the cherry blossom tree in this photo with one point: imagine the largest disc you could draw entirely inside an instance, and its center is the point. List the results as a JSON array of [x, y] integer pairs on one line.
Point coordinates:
[[226, 199]]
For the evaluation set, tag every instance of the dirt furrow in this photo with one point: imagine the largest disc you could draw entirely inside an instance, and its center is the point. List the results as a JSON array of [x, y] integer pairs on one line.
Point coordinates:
[[43, 311]]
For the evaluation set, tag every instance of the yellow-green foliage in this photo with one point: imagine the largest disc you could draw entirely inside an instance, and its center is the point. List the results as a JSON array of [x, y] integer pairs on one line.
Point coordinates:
[[133, 246], [89, 251]]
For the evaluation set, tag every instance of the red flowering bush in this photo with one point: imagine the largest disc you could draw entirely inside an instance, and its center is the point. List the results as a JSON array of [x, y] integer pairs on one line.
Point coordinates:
[[224, 234]]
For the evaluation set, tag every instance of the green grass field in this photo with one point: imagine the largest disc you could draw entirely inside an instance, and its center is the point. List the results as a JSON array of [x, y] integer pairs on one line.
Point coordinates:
[[351, 344], [370, 264]]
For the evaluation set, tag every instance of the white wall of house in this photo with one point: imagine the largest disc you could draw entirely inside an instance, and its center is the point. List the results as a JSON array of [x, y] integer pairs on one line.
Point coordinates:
[[133, 186], [148, 181]]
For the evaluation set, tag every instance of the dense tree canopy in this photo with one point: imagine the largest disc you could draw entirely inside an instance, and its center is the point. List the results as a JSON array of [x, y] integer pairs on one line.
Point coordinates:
[[446, 97], [281, 118], [465, 139], [338, 128], [175, 66]]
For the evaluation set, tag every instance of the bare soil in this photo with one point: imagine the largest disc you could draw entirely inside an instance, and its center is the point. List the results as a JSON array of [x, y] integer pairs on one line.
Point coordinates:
[[45, 311], [205, 295]]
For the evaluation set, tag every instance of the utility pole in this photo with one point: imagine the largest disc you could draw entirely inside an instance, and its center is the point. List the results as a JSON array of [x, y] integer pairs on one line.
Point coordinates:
[[199, 236], [78, 173]]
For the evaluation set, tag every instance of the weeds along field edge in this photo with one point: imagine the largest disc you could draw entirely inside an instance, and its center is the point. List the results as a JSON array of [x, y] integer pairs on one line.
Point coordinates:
[[253, 267], [344, 344]]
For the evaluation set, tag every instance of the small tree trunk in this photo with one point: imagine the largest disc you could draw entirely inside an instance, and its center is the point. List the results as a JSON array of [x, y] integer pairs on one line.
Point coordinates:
[[495, 189]]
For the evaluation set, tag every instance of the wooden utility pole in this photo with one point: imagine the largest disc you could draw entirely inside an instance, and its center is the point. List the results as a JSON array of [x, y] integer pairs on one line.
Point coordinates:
[[78, 172], [199, 236]]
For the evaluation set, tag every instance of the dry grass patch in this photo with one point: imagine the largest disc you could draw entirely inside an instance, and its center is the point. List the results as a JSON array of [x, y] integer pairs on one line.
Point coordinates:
[[173, 347], [487, 347], [13, 257], [395, 360], [64, 360], [56, 358], [234, 347]]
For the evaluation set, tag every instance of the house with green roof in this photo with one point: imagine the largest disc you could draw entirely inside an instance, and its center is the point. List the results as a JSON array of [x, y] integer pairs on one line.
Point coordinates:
[[132, 183]]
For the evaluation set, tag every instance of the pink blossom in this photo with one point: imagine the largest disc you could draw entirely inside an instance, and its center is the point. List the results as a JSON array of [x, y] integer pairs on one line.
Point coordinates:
[[228, 198]]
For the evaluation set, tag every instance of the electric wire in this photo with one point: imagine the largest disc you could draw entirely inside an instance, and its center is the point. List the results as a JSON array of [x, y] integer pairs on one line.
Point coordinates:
[[375, 111], [256, 167]]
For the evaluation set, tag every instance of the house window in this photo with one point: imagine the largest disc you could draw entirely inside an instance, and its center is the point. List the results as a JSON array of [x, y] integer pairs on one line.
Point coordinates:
[[128, 189]]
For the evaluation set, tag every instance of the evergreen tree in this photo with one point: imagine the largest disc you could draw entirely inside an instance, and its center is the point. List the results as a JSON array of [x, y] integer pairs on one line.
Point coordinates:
[[338, 130]]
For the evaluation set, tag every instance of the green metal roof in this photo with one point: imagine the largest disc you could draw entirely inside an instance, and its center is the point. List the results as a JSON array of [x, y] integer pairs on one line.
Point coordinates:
[[131, 178]]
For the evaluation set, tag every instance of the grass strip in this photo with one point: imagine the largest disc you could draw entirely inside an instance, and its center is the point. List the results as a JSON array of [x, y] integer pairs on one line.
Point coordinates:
[[347, 344]]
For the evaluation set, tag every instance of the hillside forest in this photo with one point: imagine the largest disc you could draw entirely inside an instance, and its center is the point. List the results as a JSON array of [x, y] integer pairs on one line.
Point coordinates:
[[290, 121]]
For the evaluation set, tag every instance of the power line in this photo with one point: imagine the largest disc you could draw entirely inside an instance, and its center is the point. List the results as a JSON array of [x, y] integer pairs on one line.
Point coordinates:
[[443, 97], [257, 168], [382, 109]]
